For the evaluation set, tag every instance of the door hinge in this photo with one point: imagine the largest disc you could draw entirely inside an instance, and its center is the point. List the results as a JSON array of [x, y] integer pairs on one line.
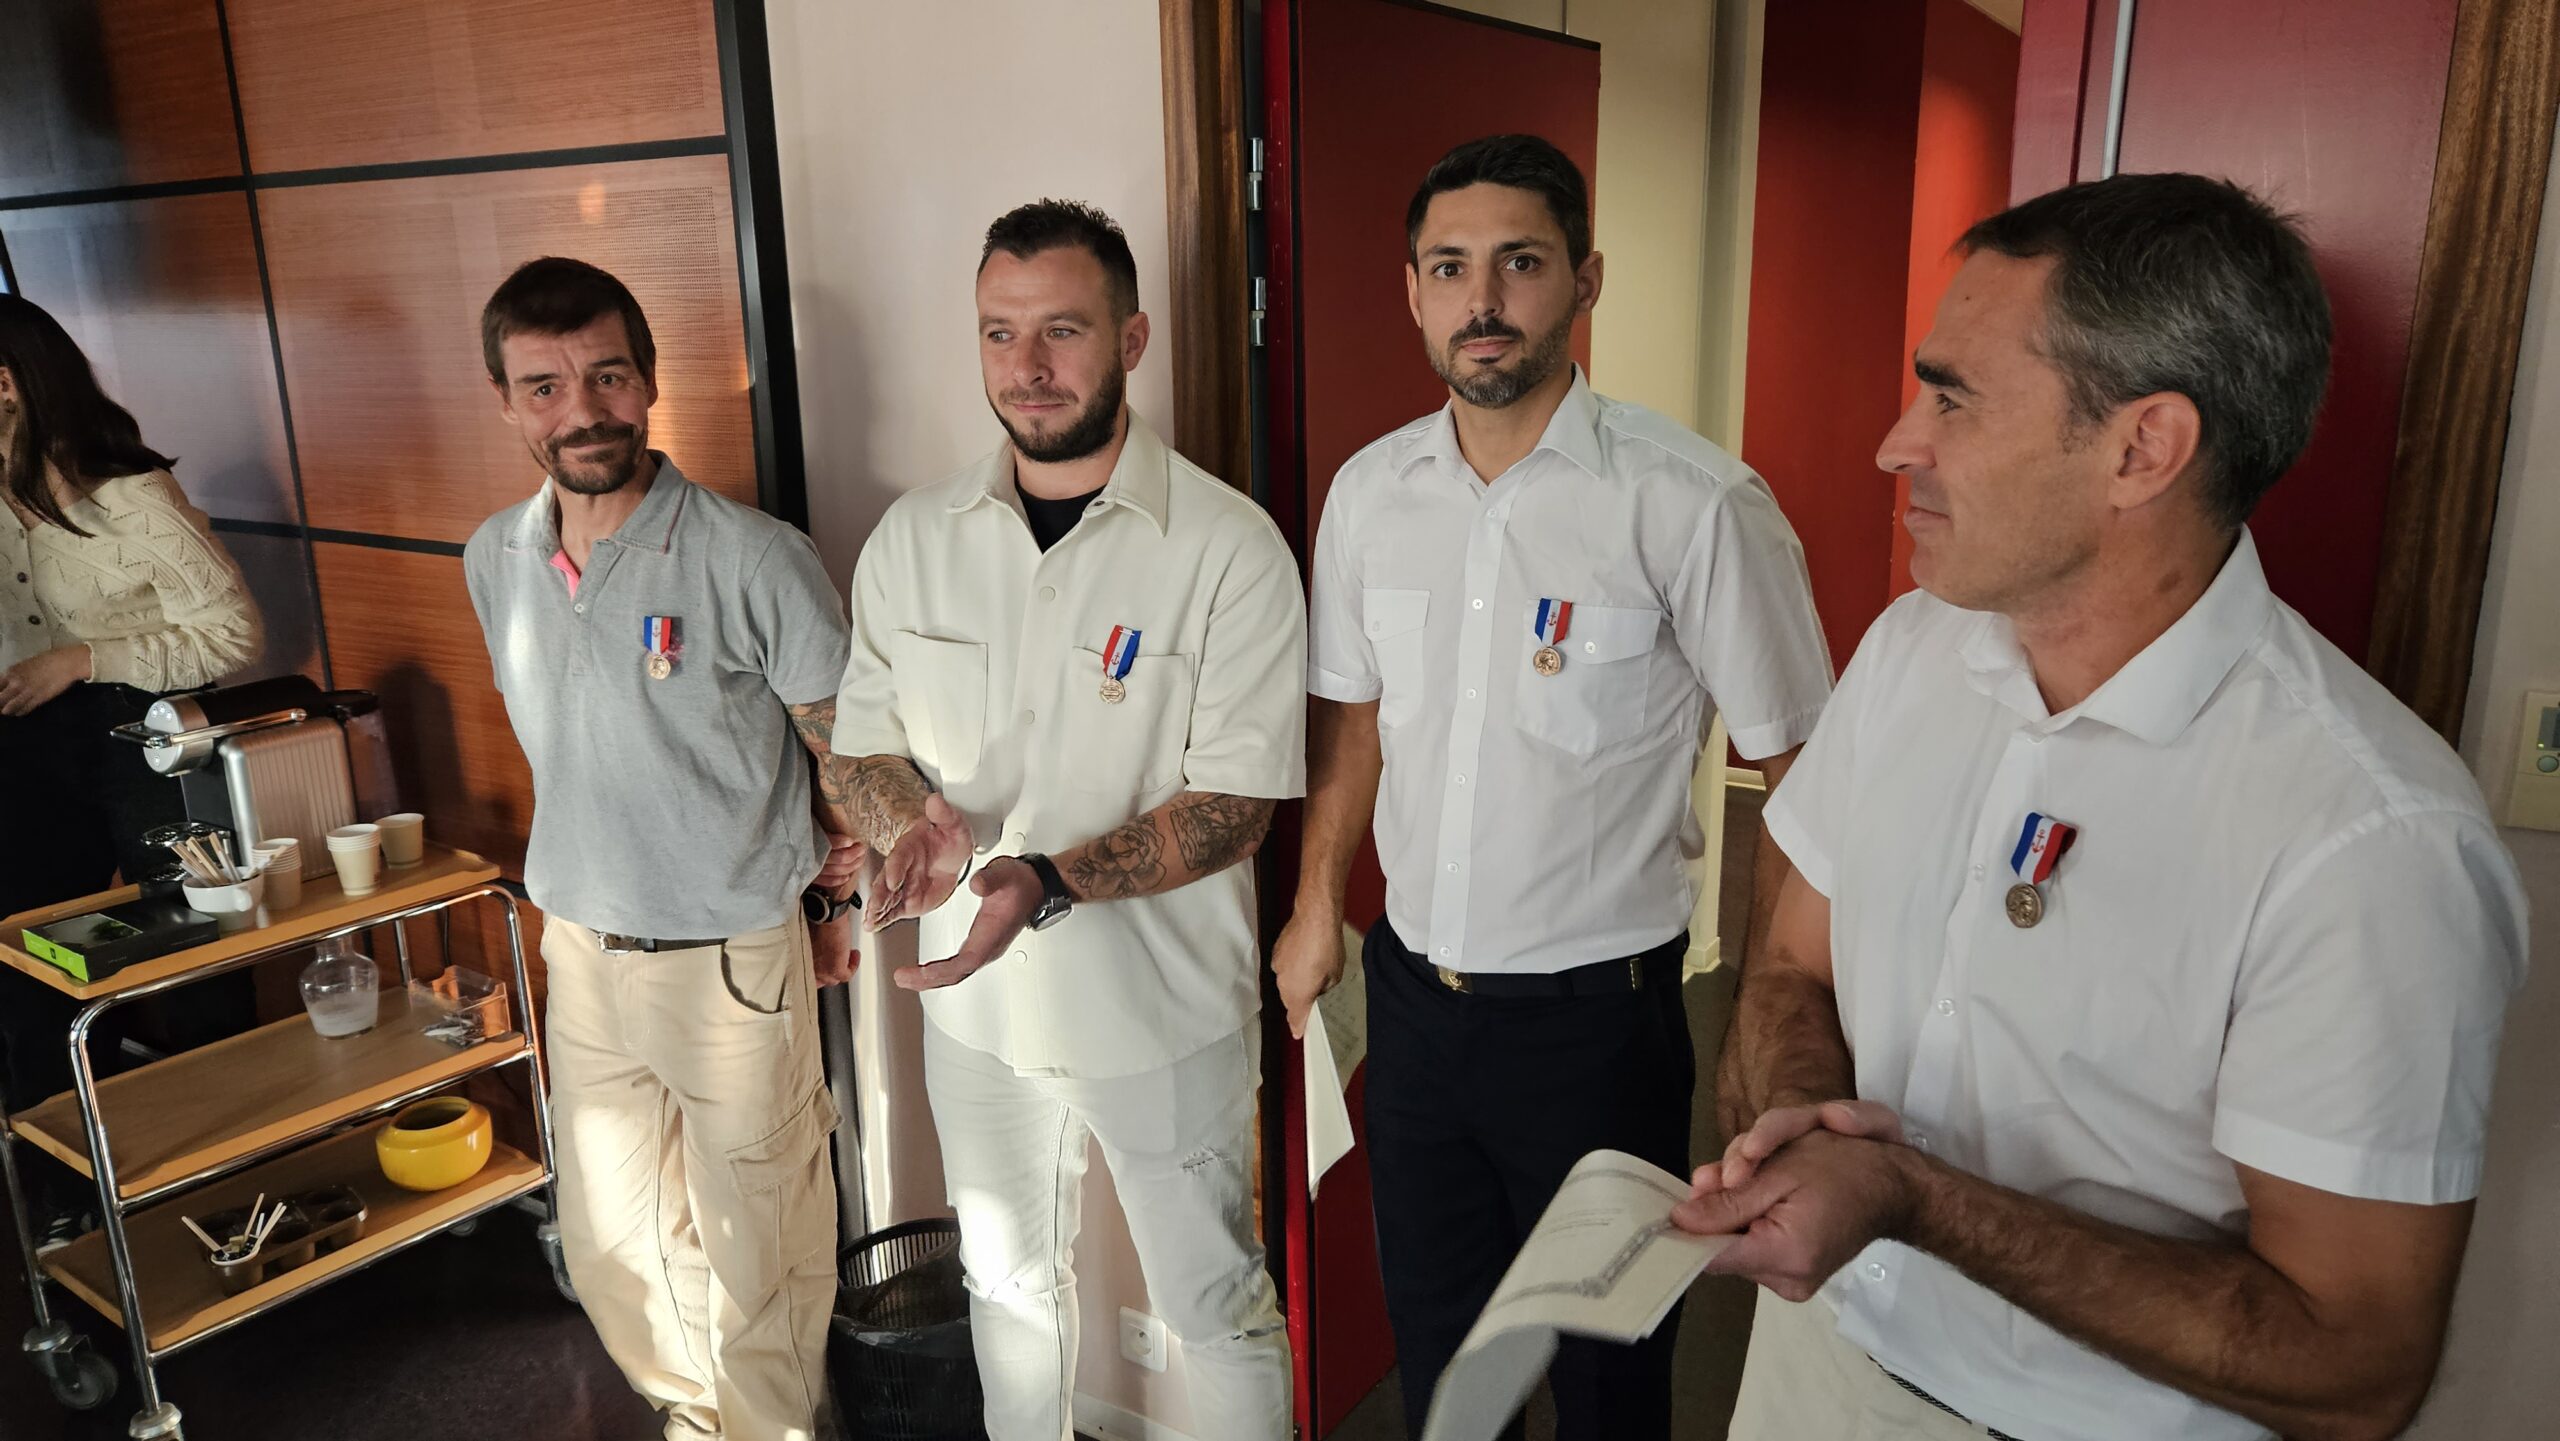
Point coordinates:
[[1253, 176], [1258, 311]]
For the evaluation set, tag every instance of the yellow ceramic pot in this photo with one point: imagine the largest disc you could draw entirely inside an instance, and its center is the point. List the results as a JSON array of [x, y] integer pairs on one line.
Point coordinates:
[[438, 1142]]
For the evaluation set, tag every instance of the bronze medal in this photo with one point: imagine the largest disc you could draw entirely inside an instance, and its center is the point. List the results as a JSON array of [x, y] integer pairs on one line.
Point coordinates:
[[1113, 691], [1547, 661], [2026, 905], [660, 667]]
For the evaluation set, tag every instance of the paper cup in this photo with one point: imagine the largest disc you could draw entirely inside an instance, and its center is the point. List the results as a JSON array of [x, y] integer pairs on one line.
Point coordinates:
[[357, 851], [281, 863], [404, 838]]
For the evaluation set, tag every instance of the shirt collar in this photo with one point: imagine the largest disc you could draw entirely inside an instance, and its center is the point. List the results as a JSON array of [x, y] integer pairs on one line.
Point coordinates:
[[2159, 693], [1139, 478], [1572, 432], [651, 527]]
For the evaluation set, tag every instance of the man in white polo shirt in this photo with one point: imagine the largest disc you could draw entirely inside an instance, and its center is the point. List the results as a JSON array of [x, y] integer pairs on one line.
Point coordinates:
[[1524, 603], [1074, 672], [2150, 958]]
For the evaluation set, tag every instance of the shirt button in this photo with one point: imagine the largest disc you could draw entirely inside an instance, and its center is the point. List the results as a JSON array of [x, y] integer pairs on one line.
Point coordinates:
[[22, 577], [1462, 780], [1471, 695], [35, 620], [1875, 1270], [1977, 870], [1453, 868], [1030, 717], [1946, 1007], [1590, 647], [1919, 1142], [580, 607], [1444, 952], [1048, 592], [1022, 955], [1479, 605]]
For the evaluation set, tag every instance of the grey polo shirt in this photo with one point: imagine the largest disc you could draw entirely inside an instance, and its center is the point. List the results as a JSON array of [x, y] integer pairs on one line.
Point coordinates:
[[678, 807]]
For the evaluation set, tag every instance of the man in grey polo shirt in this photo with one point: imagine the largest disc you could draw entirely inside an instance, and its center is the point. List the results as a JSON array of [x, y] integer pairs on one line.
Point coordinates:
[[670, 660]]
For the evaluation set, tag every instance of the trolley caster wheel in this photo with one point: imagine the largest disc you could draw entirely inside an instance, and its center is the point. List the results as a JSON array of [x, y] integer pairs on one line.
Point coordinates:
[[464, 1228], [157, 1424], [82, 1380]]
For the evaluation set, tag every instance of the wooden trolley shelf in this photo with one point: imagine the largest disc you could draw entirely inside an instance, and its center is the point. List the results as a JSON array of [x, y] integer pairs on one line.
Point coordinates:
[[201, 1110], [181, 1300]]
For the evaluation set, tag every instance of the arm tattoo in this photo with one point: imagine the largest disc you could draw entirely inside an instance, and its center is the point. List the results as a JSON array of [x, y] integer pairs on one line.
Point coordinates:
[[1216, 831], [886, 796], [815, 724], [1126, 862]]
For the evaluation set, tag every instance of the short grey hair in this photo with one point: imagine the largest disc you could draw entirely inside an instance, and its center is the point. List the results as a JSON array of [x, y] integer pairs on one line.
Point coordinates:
[[2180, 283]]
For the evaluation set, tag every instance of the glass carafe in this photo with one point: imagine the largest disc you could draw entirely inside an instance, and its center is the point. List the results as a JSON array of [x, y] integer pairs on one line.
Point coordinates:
[[341, 990]]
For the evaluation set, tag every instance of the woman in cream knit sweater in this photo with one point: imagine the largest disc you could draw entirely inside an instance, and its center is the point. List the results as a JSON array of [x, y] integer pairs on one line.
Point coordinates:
[[113, 591]]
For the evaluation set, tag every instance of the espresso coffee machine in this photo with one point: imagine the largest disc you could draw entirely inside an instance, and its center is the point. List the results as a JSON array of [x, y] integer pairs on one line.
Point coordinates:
[[271, 759]]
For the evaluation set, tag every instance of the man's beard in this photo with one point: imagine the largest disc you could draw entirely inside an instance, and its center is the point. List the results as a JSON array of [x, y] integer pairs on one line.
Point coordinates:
[[1493, 387], [1090, 431], [600, 477]]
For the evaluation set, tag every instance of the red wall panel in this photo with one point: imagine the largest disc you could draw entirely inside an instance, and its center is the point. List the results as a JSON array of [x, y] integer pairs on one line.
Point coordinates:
[[1830, 277], [1969, 77]]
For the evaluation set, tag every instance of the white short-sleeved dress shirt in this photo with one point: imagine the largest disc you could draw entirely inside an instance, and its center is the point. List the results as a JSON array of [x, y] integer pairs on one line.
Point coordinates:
[[1529, 822], [2284, 937], [981, 658]]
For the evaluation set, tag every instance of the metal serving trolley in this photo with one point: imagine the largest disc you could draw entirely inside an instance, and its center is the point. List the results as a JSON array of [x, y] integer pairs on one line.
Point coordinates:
[[277, 1110]]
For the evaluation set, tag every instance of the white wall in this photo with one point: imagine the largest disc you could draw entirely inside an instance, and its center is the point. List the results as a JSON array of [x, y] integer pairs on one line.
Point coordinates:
[[2498, 1377], [904, 129]]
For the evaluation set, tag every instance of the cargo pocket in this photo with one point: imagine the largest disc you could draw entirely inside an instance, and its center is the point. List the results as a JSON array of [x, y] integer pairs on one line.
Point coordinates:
[[785, 1181]]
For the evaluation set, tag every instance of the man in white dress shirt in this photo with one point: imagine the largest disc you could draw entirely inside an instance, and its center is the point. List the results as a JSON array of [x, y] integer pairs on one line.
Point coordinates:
[[1524, 604], [2121, 1049], [1073, 675]]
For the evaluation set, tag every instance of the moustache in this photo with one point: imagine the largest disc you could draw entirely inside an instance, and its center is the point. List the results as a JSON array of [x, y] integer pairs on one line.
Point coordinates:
[[1037, 397], [1484, 328], [592, 435]]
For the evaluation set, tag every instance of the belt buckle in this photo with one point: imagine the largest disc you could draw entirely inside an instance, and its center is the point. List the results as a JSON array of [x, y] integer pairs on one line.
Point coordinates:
[[1454, 980], [615, 945]]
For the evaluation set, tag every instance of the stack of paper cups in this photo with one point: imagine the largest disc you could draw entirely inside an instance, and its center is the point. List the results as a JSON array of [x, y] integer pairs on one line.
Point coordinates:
[[357, 850], [281, 861]]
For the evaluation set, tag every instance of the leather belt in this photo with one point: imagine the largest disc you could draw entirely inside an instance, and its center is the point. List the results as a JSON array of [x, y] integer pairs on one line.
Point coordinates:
[[1599, 978], [622, 944]]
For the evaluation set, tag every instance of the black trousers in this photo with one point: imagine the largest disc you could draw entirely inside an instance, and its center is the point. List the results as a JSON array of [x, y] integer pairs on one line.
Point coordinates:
[[1477, 1107]]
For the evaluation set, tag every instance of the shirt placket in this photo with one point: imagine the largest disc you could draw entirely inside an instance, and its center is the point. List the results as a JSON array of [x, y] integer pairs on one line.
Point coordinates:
[[1453, 868], [1930, 1094], [582, 635]]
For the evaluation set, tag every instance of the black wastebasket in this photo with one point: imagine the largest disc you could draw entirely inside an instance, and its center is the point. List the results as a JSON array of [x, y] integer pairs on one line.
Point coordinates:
[[898, 1347]]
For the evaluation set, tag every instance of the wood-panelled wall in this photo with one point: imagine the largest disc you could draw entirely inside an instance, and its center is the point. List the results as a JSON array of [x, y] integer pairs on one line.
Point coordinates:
[[283, 281]]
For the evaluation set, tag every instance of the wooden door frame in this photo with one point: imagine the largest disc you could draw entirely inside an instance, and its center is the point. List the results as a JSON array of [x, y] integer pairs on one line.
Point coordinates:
[[2493, 158]]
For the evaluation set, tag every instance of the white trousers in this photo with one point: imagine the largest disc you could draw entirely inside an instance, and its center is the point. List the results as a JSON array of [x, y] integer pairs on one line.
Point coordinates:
[[697, 1205], [1801, 1382], [1179, 1142]]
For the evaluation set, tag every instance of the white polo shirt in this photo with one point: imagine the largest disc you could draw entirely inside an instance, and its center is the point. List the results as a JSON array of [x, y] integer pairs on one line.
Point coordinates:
[[980, 657], [2285, 937], [1529, 823]]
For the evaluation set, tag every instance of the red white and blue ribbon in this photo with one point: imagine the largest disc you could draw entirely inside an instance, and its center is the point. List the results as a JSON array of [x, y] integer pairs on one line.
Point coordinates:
[[658, 635], [2041, 843], [1553, 617], [1120, 653]]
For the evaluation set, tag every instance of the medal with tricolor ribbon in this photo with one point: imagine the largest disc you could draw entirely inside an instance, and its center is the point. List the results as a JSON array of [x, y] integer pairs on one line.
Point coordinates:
[[1118, 654], [2042, 842], [659, 638], [1553, 619]]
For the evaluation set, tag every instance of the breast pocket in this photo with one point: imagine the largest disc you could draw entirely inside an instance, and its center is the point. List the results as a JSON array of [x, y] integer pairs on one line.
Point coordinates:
[[1131, 748], [1393, 619], [1598, 696], [942, 696]]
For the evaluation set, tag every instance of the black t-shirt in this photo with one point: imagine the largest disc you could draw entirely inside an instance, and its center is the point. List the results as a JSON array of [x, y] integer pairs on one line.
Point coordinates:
[[1052, 519]]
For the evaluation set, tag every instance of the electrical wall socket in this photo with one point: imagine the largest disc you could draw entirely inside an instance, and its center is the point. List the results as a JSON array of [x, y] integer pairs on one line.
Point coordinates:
[[1142, 1338], [2533, 800]]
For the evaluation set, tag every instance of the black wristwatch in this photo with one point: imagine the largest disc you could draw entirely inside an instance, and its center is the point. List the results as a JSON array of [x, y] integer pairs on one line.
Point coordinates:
[[820, 908], [1055, 902]]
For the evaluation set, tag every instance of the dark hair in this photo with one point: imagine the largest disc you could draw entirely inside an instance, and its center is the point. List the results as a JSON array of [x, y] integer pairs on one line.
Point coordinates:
[[1027, 230], [1523, 162], [2181, 283], [62, 416], [554, 296]]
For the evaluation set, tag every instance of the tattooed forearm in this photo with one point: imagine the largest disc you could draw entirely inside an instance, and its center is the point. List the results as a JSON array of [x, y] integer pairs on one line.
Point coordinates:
[[1196, 834], [885, 795], [1215, 831], [815, 724], [1119, 865]]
